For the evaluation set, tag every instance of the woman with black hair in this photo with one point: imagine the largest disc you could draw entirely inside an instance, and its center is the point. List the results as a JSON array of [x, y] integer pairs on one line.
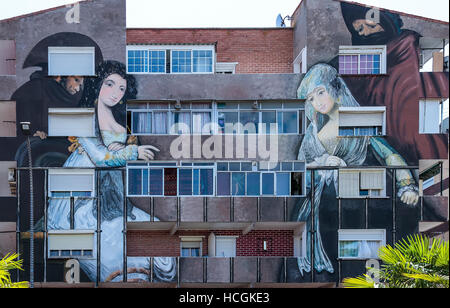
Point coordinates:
[[107, 93]]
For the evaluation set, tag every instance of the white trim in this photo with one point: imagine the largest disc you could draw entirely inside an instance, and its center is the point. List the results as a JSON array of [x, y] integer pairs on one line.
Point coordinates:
[[223, 67], [301, 58], [361, 50]]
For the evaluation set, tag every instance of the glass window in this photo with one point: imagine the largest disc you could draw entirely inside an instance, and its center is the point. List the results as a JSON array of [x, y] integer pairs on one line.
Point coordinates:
[[135, 181], [206, 182], [283, 184], [181, 61], [268, 184], [253, 184], [142, 123], [137, 61], [223, 183], [156, 182], [202, 60], [185, 182], [238, 183], [249, 121], [181, 122], [267, 118], [157, 61], [289, 122]]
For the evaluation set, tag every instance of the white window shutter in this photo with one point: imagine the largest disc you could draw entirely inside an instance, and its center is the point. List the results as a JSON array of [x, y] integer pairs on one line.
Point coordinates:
[[71, 181], [372, 179], [348, 183], [212, 245], [65, 122], [356, 119], [429, 116]]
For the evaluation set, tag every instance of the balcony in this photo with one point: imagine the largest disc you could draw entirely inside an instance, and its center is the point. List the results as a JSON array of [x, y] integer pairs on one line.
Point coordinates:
[[229, 272]]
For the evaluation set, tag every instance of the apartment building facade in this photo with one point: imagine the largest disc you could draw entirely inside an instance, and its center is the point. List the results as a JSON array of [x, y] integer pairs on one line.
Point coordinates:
[[238, 157]]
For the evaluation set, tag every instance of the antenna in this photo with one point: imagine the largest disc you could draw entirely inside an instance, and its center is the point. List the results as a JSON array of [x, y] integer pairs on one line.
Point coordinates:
[[280, 21]]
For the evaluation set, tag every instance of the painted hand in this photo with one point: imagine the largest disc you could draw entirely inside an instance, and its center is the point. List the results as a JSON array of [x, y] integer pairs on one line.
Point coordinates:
[[335, 161], [145, 152], [410, 197], [115, 146], [40, 134]]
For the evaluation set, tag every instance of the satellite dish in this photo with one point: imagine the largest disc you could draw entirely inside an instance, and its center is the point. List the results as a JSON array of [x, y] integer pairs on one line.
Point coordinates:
[[280, 22]]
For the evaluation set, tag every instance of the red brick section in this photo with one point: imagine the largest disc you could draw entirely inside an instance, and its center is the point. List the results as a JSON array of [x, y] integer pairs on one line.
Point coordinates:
[[162, 244], [264, 50]]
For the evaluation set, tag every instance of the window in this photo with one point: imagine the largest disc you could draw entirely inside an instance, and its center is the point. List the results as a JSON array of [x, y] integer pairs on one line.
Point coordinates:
[[265, 179], [362, 60], [262, 118], [191, 246], [8, 119], [361, 244], [433, 116], [79, 122], [7, 57], [226, 67], [362, 183], [300, 66], [362, 121], [8, 178], [71, 61], [70, 243], [165, 59], [170, 179], [225, 246], [163, 119], [64, 183]]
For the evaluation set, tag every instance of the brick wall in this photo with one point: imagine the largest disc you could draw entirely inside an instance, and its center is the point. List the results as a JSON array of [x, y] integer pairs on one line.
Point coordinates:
[[257, 50], [160, 243]]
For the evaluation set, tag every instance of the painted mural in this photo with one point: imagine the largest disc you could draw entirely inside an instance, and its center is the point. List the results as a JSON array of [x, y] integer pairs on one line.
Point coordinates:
[[107, 93], [325, 90]]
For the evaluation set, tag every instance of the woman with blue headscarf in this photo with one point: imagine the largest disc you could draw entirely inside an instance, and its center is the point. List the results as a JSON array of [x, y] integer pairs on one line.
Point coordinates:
[[324, 92]]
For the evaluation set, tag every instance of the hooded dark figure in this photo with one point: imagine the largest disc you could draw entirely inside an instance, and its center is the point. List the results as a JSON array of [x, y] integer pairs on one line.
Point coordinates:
[[41, 92], [402, 87]]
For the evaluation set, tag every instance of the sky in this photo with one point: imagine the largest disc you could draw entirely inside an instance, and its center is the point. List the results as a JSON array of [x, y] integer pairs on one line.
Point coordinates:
[[220, 13]]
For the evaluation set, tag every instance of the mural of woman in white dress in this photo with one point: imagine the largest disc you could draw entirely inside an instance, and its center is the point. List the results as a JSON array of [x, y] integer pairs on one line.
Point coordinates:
[[108, 93], [324, 92]]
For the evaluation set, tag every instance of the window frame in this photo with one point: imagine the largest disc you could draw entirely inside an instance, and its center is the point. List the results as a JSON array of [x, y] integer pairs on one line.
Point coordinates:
[[171, 48], [70, 172], [363, 110], [359, 235], [170, 111], [382, 193], [51, 233], [260, 109], [189, 240], [356, 50], [440, 116]]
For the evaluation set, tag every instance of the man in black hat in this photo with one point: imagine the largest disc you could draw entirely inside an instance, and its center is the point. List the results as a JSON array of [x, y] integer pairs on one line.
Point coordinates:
[[41, 92]]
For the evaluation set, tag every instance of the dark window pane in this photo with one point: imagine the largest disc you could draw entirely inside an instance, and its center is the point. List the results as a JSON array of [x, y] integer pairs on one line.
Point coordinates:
[[267, 184], [253, 184], [206, 181], [223, 183], [135, 181], [156, 182], [185, 182]]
